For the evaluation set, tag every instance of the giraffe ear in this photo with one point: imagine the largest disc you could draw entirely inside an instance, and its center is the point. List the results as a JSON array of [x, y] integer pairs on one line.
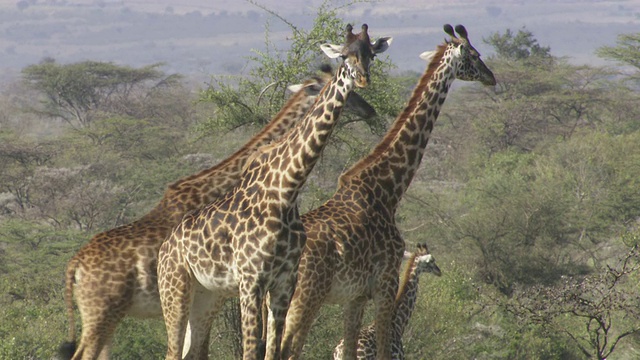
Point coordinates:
[[427, 55], [382, 44], [332, 51], [295, 87], [406, 255]]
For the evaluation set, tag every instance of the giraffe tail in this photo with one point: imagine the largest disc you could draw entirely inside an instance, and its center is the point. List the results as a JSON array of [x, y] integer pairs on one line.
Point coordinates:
[[68, 348]]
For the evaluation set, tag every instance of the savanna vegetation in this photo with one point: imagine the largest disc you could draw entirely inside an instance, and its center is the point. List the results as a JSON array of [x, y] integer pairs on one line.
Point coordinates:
[[529, 195]]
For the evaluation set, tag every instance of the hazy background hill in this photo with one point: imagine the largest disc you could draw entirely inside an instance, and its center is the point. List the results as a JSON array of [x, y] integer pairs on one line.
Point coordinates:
[[199, 38]]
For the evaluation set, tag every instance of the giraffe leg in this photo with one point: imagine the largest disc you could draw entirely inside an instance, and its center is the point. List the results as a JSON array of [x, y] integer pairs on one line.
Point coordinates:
[[384, 300], [251, 296], [352, 322], [269, 330], [95, 341], [300, 317], [279, 300], [204, 308], [106, 349], [176, 293], [100, 319]]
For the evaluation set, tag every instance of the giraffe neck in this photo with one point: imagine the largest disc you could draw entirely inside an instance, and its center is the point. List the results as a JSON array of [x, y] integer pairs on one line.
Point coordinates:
[[392, 164], [209, 184], [282, 168], [406, 299]]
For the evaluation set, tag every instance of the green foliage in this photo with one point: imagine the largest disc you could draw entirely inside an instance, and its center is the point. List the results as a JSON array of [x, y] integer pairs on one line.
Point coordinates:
[[31, 331], [151, 345], [78, 92], [597, 312], [32, 316], [626, 52], [524, 186], [521, 46], [441, 322], [256, 98], [537, 104], [526, 213], [325, 333], [534, 341]]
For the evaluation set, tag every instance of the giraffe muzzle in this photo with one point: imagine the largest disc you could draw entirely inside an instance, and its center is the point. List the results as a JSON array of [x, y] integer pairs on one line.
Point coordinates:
[[362, 81]]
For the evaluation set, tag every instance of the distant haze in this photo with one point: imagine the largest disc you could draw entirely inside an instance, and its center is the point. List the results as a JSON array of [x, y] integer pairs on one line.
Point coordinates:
[[200, 38]]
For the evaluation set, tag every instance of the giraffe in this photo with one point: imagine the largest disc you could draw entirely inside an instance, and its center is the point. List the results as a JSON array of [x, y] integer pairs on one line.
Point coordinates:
[[114, 275], [354, 248], [248, 242], [418, 262]]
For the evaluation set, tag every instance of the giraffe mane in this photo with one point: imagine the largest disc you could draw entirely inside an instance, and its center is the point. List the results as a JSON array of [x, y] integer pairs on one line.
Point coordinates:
[[250, 144], [412, 105], [405, 277]]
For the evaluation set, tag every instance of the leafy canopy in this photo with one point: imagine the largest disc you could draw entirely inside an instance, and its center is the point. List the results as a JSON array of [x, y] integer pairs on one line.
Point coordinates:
[[254, 99], [78, 92]]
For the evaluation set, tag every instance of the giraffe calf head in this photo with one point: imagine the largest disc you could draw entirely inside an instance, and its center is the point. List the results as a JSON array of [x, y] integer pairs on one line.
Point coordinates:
[[425, 262]]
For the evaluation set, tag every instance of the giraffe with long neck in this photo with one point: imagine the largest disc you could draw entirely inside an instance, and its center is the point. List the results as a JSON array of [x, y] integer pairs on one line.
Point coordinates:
[[249, 242], [114, 275], [418, 263], [354, 248]]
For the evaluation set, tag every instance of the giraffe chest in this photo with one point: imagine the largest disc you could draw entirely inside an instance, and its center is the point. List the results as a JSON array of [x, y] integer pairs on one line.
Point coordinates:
[[259, 256], [222, 277]]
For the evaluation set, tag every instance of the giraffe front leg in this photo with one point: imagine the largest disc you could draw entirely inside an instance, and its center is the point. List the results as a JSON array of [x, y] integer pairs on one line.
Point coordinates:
[[251, 295], [279, 300], [352, 322], [309, 295], [269, 330], [204, 308], [384, 301], [176, 293]]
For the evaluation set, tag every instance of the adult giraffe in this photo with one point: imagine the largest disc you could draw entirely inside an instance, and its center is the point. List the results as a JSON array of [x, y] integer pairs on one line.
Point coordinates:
[[249, 242], [114, 275], [354, 248], [419, 262]]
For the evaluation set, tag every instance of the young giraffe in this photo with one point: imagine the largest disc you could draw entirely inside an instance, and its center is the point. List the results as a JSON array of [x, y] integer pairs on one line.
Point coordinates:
[[249, 242], [114, 275], [419, 262], [354, 248]]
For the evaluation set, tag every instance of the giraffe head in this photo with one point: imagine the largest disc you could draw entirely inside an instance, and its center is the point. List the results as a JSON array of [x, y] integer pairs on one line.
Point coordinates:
[[358, 53], [425, 262], [464, 57], [355, 103]]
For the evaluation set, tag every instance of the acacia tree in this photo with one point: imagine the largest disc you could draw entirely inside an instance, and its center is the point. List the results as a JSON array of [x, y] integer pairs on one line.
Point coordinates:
[[539, 97], [78, 92], [520, 46], [255, 98], [626, 52], [18, 160], [605, 304]]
